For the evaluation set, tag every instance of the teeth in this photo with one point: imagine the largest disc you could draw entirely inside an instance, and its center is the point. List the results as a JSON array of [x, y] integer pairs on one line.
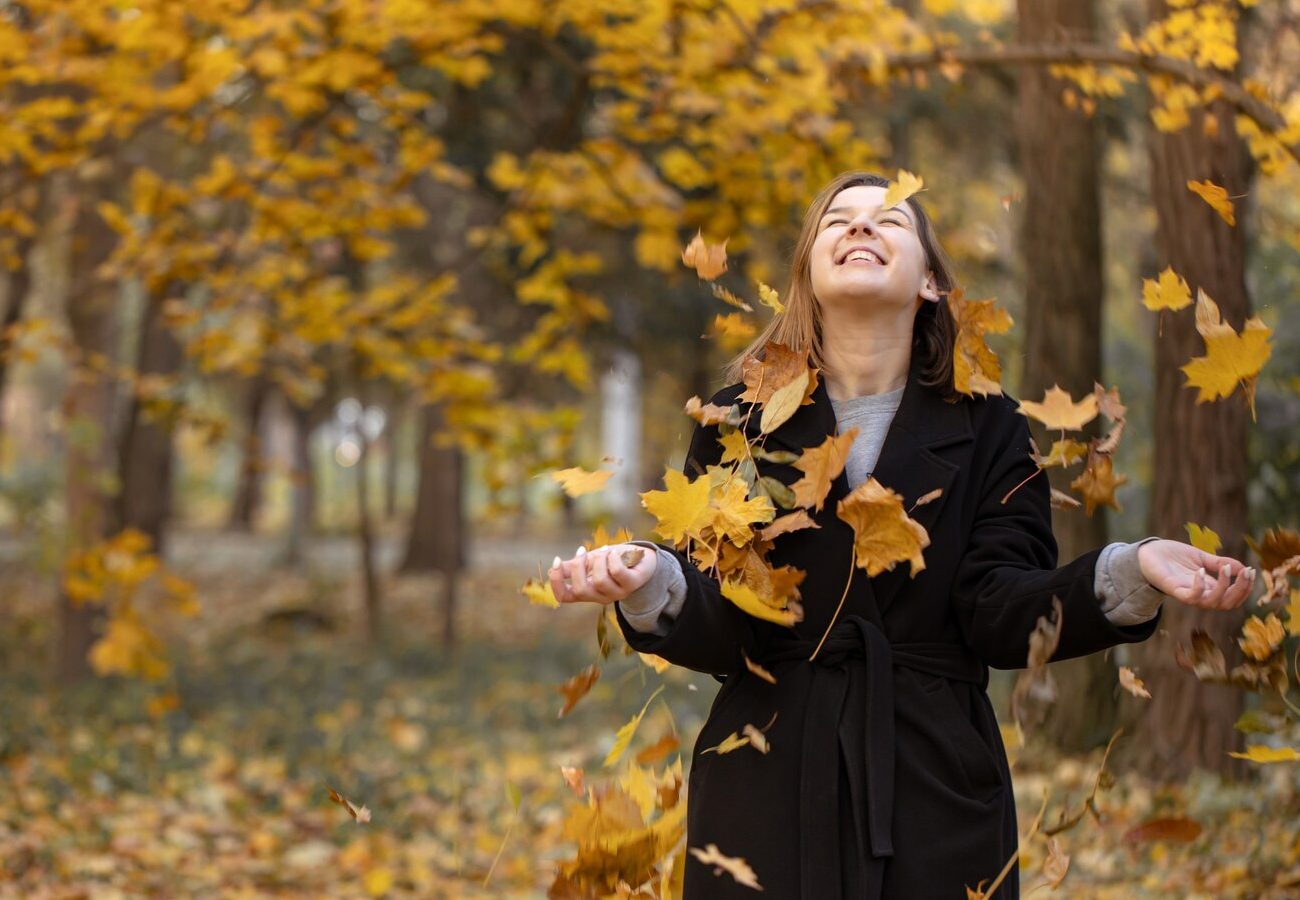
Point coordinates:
[[864, 255]]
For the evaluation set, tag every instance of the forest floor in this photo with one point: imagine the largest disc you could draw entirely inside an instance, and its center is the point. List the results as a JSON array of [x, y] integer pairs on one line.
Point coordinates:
[[213, 783]]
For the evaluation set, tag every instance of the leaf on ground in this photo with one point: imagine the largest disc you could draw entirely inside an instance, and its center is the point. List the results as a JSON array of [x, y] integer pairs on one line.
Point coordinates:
[[1230, 359], [360, 813], [1057, 410], [976, 369], [577, 481], [821, 465], [1169, 291], [1216, 196], [1176, 828], [625, 734], [1129, 681], [708, 260], [1260, 754], [901, 188], [1203, 538], [884, 534], [578, 687], [736, 867]]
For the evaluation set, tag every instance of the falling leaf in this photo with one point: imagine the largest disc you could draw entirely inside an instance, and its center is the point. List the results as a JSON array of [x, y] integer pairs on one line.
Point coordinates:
[[577, 687], [1203, 538], [736, 867], [727, 296], [745, 597], [1293, 614], [784, 401], [573, 776], [1098, 483], [883, 532], [1061, 500], [928, 497], [681, 508], [1057, 410], [1178, 829], [795, 521], [976, 369], [1036, 680], [1170, 291], [711, 414], [1261, 754], [1131, 683], [539, 592], [577, 482], [708, 260], [1216, 196], [779, 366], [733, 741], [769, 298], [732, 514], [625, 734], [658, 750], [602, 538], [1055, 865], [1204, 659], [1261, 637], [1064, 453], [360, 813], [1230, 359], [758, 670], [1276, 546], [658, 663], [821, 465], [901, 188], [756, 738]]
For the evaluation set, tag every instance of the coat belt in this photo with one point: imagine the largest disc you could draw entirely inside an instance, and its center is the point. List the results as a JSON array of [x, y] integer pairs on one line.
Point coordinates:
[[870, 776]]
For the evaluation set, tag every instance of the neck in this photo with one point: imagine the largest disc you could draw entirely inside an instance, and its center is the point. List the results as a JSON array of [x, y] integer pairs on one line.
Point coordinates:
[[865, 356]]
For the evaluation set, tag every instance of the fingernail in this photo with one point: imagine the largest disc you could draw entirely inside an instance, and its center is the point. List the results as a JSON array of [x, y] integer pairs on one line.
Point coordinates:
[[1227, 571], [581, 551], [556, 564]]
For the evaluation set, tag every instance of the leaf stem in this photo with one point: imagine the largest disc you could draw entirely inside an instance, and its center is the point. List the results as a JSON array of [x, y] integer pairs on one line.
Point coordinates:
[[853, 561]]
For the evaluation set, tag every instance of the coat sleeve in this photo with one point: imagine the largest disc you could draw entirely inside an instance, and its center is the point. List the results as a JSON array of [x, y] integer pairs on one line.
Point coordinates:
[[710, 632], [1008, 575]]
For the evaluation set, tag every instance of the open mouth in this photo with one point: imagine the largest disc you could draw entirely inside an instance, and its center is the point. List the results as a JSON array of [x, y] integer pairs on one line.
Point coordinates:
[[862, 254]]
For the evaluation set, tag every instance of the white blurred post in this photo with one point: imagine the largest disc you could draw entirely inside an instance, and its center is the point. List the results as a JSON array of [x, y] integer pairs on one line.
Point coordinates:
[[620, 421]]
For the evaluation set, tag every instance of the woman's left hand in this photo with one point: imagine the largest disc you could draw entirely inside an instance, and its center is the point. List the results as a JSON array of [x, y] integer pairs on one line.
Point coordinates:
[[1195, 577]]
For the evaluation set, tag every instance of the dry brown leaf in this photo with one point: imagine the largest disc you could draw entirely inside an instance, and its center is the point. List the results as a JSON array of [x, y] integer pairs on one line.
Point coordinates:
[[711, 413], [1098, 483], [736, 867], [795, 521], [1276, 546], [708, 260], [1131, 683], [658, 750], [821, 465], [884, 534], [758, 670], [1062, 500], [779, 366], [976, 369], [577, 687], [360, 813], [1179, 829], [1056, 864]]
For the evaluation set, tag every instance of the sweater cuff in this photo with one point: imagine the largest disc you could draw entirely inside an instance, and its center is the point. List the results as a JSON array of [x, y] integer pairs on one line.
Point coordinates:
[[655, 605], [1127, 598]]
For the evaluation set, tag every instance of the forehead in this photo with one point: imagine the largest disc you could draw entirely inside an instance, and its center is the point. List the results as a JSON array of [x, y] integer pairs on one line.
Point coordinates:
[[863, 196]]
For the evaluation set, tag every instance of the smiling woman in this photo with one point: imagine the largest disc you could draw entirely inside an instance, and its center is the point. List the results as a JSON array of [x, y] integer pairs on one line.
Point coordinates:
[[885, 775]]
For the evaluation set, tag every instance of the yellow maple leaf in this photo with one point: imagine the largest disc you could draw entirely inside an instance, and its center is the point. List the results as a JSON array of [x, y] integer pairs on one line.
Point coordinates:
[[770, 298], [733, 516], [1064, 453], [577, 481], [904, 186], [682, 508], [884, 534], [976, 369], [708, 260], [1261, 754], [1216, 196], [539, 592], [1260, 638], [821, 465], [1230, 358], [1057, 410], [1098, 483], [624, 737], [744, 597], [734, 446], [1170, 291], [1203, 538]]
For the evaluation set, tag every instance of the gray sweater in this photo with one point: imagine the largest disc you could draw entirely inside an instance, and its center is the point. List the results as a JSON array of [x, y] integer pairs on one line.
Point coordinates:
[[1125, 595]]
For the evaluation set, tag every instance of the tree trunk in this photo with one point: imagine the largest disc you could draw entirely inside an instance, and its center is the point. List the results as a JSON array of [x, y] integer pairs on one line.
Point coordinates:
[[1061, 243], [437, 540], [365, 532], [20, 279], [145, 453], [1201, 449], [248, 496], [302, 513], [397, 415], [91, 314]]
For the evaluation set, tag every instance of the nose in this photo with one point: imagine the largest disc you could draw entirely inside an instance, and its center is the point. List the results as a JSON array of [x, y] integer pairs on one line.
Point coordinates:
[[862, 223]]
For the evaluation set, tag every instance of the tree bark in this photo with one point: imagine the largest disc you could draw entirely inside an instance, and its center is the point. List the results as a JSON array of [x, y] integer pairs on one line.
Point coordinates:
[[302, 513], [20, 279], [437, 540], [145, 454], [88, 405], [1201, 450], [248, 495], [366, 535], [1061, 243]]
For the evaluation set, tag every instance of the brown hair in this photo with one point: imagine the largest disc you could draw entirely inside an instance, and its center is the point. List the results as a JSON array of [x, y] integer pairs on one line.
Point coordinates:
[[799, 327]]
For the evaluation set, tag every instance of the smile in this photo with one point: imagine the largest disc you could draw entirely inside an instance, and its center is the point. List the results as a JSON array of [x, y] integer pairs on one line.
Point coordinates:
[[861, 254]]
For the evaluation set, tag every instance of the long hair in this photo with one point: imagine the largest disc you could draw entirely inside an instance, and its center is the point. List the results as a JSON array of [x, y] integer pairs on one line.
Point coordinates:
[[799, 327]]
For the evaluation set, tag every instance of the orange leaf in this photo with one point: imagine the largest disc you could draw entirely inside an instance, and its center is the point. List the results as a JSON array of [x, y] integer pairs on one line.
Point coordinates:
[[658, 750], [360, 813], [577, 687], [1098, 483], [976, 369], [708, 260], [795, 521], [1216, 196], [1057, 410], [821, 465], [883, 532], [1131, 683], [779, 366], [736, 867], [1261, 637], [1179, 829]]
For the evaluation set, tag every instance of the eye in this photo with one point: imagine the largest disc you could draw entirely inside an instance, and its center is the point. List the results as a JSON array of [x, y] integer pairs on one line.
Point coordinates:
[[891, 221], [835, 222]]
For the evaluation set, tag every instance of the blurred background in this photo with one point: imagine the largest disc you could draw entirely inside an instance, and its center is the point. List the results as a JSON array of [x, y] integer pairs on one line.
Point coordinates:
[[304, 301]]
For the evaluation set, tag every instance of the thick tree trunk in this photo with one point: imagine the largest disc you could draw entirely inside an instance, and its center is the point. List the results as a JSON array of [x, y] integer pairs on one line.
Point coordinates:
[[145, 452], [88, 405], [437, 540], [1061, 243], [248, 495], [302, 513], [1201, 474]]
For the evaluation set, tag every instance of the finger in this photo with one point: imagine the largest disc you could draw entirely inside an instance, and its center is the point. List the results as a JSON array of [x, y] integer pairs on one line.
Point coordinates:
[[1193, 591], [578, 575], [1240, 590], [1217, 587], [619, 573], [598, 576], [1213, 564], [559, 587]]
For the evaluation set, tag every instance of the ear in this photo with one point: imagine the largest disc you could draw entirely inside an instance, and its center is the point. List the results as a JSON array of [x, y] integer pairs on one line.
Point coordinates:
[[929, 291]]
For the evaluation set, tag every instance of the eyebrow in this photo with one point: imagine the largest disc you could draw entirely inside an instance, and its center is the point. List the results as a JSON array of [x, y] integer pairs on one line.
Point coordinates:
[[879, 212]]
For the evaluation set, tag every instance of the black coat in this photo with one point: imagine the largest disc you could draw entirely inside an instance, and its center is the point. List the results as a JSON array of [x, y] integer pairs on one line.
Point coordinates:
[[886, 776]]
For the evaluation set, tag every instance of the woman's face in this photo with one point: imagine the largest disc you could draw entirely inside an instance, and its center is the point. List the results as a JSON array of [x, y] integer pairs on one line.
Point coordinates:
[[865, 255]]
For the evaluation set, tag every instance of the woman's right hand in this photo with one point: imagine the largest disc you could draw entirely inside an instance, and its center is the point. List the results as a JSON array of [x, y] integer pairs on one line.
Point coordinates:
[[601, 576]]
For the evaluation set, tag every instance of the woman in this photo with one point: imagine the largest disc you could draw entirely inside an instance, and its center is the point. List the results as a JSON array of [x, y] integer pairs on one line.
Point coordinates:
[[886, 776]]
